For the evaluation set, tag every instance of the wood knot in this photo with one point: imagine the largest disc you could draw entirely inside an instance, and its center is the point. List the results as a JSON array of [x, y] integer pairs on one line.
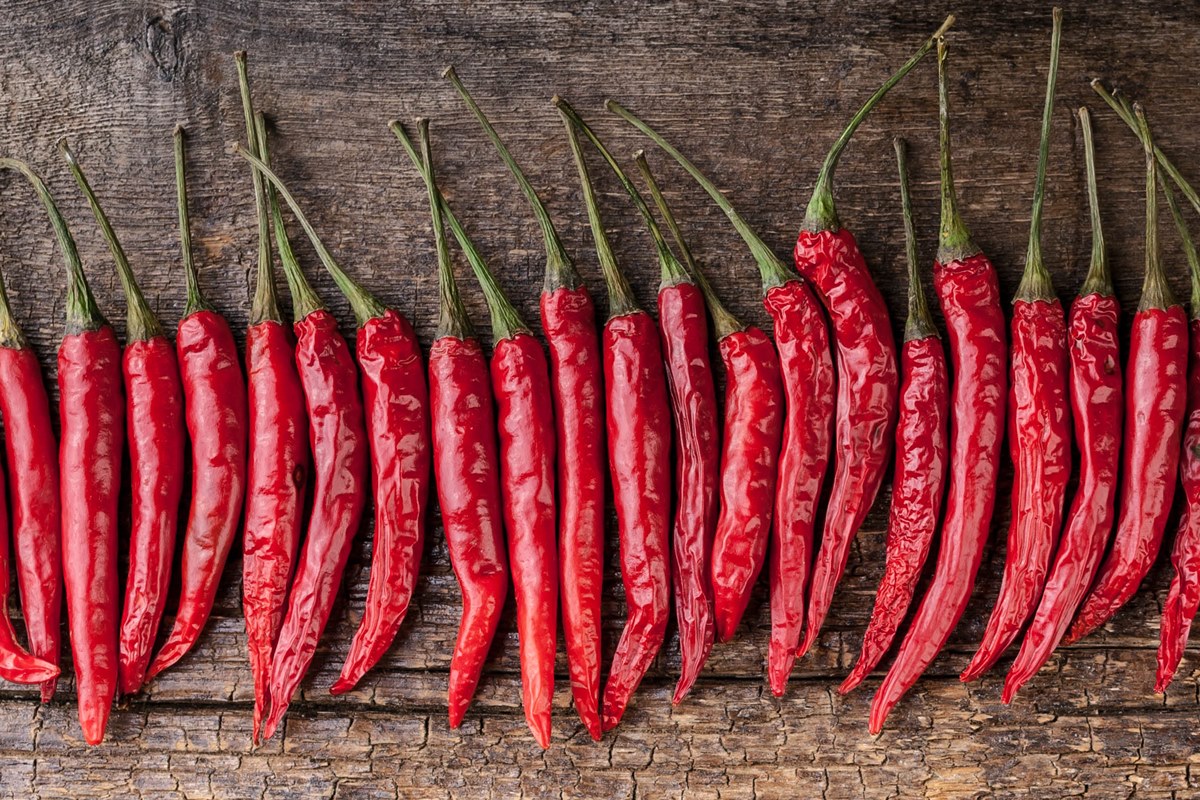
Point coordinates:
[[162, 43]]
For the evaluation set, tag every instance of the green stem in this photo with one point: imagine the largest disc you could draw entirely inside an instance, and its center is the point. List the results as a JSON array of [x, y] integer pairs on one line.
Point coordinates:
[[1156, 294], [560, 271], [1098, 279], [821, 214], [1035, 281], [265, 305], [920, 323], [1121, 106], [195, 300], [305, 300], [366, 306], [82, 312], [11, 335], [621, 301], [771, 269], [955, 243], [724, 322], [143, 324], [1189, 245]]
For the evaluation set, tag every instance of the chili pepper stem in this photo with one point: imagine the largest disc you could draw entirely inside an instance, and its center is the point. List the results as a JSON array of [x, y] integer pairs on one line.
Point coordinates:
[[1185, 236], [265, 305], [920, 323], [1098, 279], [11, 335], [821, 214], [1035, 281], [195, 299], [1156, 293], [954, 243]]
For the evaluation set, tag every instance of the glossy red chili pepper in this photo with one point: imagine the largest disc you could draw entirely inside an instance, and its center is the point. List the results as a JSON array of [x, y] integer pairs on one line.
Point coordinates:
[[216, 414], [154, 410], [806, 366], [1096, 410], [279, 461], [1156, 398], [466, 464], [638, 421], [919, 479], [968, 292], [91, 421], [827, 254], [340, 452], [569, 322]]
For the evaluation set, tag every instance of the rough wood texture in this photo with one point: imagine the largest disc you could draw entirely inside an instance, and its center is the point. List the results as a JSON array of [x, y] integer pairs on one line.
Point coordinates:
[[755, 94]]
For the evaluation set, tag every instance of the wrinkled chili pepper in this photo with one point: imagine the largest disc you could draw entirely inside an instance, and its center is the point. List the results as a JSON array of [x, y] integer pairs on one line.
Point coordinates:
[[338, 442], [1155, 405], [569, 322], [921, 454], [806, 367], [216, 413], [32, 458], [1097, 413], [279, 461], [1039, 427], [638, 418], [465, 462], [91, 425], [968, 292], [157, 443], [1183, 598], [868, 382]]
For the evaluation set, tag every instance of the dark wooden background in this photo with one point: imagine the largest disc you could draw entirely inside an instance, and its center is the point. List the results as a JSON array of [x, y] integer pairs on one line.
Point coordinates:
[[755, 94]]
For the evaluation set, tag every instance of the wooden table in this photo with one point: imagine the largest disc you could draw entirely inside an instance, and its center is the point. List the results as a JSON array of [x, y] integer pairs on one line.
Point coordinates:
[[755, 94]]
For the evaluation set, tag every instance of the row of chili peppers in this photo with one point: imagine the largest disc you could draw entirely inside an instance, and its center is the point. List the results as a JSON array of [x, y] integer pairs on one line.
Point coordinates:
[[516, 448]]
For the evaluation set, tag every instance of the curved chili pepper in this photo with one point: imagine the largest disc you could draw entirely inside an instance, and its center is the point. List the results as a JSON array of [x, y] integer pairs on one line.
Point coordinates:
[[968, 292], [1039, 424], [279, 461], [638, 418], [91, 421], [466, 464], [827, 254], [569, 322], [1096, 409], [154, 410], [806, 367], [1156, 399], [216, 414], [921, 454], [338, 441]]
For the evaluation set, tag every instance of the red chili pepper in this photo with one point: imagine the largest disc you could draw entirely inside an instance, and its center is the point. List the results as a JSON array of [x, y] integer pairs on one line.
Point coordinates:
[[921, 454], [154, 410], [1096, 409], [828, 256], [215, 409], [279, 461], [466, 464], [802, 341], [638, 420], [1039, 425], [569, 322], [969, 294], [338, 441], [1156, 400], [91, 420]]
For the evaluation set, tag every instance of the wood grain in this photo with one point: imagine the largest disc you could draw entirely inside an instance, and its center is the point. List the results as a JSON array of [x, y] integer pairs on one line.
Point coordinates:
[[755, 94]]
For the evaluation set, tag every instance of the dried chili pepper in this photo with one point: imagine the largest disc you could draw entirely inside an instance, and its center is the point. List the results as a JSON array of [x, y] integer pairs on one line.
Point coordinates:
[[216, 413], [1155, 405], [569, 322], [806, 366], [638, 418], [279, 461], [466, 463], [1097, 413], [91, 421], [1039, 424], [968, 292], [827, 254], [921, 454], [338, 441], [157, 443]]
